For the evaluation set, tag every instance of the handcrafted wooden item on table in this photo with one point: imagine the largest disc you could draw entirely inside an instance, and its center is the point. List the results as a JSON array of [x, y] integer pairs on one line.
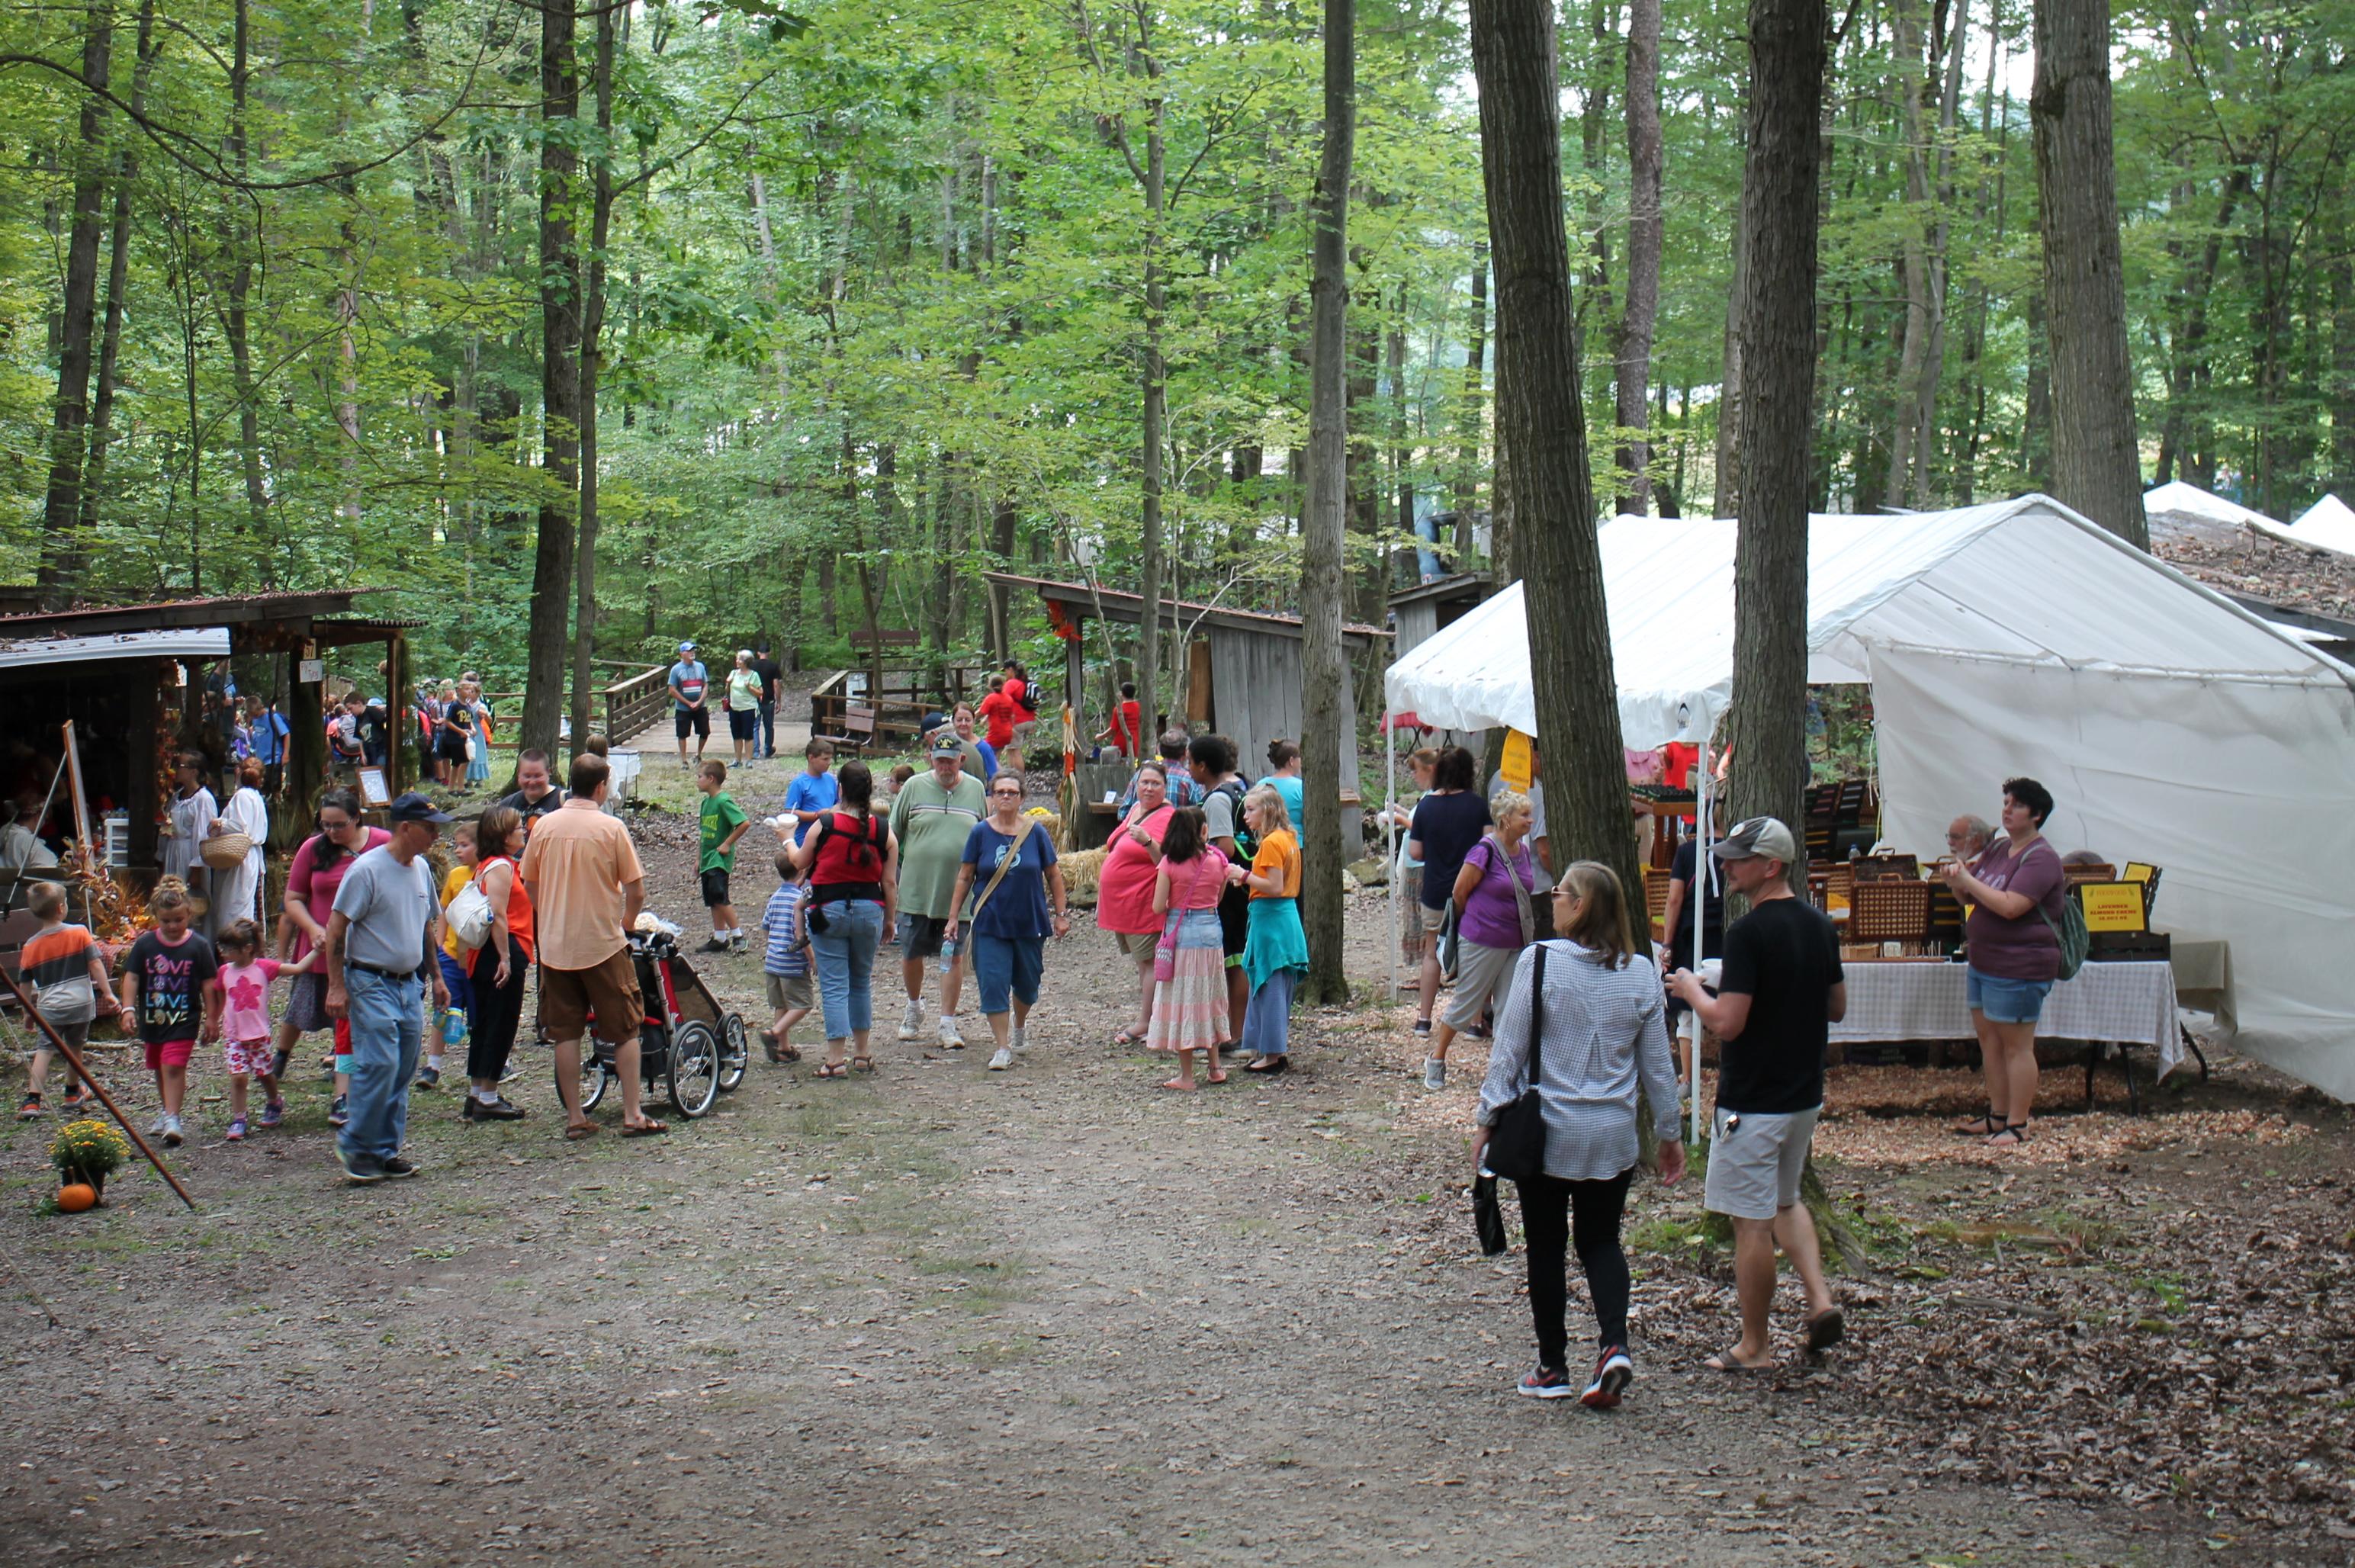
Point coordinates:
[[1889, 912], [2095, 873], [1666, 807], [1887, 869]]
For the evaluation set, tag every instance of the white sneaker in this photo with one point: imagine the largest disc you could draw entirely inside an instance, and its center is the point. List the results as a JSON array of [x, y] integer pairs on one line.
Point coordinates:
[[911, 1021], [172, 1133], [1002, 1061], [156, 1128], [1434, 1072], [1019, 1043], [950, 1039]]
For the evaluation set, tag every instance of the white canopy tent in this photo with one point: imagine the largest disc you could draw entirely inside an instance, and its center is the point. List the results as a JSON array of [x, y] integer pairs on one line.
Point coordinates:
[[2182, 507], [2329, 523], [2170, 724]]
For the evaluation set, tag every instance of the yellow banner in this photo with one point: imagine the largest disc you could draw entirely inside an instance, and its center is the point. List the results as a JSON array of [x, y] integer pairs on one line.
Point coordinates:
[[1516, 764]]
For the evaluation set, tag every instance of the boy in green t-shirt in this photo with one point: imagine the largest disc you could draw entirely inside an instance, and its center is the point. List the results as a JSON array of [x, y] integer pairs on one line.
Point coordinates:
[[724, 823]]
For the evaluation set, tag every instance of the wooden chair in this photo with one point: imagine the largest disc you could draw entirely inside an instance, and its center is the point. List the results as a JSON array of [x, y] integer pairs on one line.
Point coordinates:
[[858, 730], [1656, 880]]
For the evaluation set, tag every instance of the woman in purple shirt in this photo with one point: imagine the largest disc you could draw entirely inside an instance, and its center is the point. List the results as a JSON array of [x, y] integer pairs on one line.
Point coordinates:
[[1495, 890], [2014, 890]]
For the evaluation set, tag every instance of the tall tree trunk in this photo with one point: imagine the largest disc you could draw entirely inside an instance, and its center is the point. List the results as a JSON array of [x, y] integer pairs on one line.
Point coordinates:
[[1324, 671], [1646, 228], [240, 298], [1541, 428], [1766, 718], [1914, 265], [1727, 500], [592, 361], [2036, 416], [1933, 370], [60, 548], [559, 381], [1153, 375], [1469, 419], [118, 276], [2340, 389], [2094, 465]]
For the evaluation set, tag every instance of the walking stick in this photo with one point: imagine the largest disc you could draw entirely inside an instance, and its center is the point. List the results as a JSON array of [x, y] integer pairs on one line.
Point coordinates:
[[58, 1041]]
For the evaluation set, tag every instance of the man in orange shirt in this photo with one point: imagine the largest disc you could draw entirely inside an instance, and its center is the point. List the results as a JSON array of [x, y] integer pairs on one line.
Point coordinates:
[[587, 888]]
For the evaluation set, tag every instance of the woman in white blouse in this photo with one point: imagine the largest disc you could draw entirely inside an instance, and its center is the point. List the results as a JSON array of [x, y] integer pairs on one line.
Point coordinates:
[[1599, 1035], [237, 895]]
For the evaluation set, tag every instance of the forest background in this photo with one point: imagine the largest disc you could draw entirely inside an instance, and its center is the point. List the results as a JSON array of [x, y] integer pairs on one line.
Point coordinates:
[[866, 300]]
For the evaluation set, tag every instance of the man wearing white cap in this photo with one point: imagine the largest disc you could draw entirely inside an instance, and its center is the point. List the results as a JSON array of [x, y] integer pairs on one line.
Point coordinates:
[[690, 684], [1783, 990]]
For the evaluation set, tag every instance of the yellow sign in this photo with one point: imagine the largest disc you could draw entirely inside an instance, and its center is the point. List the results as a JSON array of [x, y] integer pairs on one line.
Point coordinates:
[[2112, 906], [2138, 871], [1516, 764]]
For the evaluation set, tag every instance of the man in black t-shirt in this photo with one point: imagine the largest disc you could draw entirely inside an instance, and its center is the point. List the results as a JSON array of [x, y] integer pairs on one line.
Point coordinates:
[[1783, 990], [764, 729]]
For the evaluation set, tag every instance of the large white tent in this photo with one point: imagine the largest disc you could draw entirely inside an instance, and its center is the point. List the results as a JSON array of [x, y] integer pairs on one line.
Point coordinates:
[[2182, 508], [2171, 725]]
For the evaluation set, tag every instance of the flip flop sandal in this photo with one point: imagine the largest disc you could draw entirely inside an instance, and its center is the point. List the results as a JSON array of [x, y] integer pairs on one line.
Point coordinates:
[[834, 1069], [586, 1129], [646, 1130], [1127, 1036], [862, 1064], [1724, 1361], [1984, 1126], [2011, 1136], [1825, 1329], [769, 1044]]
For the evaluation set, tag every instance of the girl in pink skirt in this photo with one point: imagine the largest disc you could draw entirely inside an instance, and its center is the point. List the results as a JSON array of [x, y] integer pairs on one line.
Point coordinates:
[[1189, 1008]]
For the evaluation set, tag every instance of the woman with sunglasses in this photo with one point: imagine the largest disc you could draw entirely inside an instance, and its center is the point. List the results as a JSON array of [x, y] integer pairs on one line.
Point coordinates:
[[1009, 868], [311, 883]]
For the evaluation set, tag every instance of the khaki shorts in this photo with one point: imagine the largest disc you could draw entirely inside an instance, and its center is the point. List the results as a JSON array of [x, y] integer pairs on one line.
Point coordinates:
[[610, 991], [787, 992], [1755, 1166], [1137, 945]]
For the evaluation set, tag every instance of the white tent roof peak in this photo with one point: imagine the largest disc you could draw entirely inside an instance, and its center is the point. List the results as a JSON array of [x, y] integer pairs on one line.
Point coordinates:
[[2025, 581], [2329, 523], [2182, 506]]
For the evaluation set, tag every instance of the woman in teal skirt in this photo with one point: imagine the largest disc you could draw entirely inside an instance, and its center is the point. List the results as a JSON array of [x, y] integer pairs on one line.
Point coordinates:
[[1275, 948]]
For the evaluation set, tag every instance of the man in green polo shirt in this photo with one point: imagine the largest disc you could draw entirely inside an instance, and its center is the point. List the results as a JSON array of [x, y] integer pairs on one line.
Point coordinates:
[[931, 816]]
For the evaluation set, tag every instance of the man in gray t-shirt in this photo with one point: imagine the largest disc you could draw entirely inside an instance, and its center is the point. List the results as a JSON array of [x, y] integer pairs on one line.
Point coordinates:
[[386, 925]]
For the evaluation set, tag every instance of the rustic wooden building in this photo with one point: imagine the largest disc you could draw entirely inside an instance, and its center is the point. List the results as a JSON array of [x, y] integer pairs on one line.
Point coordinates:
[[1243, 668]]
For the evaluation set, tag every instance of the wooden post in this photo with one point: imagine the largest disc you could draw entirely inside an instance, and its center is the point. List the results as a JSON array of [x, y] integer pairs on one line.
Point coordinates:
[[1074, 674], [146, 718], [306, 748], [396, 699]]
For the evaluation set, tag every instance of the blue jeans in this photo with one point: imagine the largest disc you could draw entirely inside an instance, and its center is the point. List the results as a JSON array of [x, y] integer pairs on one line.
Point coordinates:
[[1267, 1021], [461, 987], [766, 734], [846, 964], [1007, 967], [388, 1026]]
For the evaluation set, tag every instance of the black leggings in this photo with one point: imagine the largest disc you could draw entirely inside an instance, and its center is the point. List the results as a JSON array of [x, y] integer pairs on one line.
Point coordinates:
[[497, 1010], [1554, 1213]]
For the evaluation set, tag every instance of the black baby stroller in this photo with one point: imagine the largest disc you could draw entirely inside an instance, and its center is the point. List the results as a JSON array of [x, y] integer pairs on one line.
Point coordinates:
[[686, 1044]]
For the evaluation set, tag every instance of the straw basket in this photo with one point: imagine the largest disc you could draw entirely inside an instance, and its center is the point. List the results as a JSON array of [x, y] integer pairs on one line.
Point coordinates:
[[225, 851]]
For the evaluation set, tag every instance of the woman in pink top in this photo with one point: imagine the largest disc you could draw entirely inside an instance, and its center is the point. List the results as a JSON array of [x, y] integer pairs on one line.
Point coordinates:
[[1125, 888], [1189, 1009], [311, 883]]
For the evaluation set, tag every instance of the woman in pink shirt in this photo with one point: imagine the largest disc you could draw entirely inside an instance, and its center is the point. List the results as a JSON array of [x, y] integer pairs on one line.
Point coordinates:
[[1124, 889], [311, 883]]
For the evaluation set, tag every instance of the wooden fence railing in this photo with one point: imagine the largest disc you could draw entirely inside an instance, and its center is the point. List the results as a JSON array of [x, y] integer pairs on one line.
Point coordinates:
[[622, 710], [908, 692]]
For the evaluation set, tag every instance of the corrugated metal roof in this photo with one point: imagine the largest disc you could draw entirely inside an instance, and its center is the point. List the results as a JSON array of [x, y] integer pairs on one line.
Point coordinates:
[[1132, 605], [165, 613], [187, 641]]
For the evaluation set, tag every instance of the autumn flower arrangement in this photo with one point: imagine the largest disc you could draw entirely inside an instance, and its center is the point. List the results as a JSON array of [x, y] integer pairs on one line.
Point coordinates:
[[88, 1151]]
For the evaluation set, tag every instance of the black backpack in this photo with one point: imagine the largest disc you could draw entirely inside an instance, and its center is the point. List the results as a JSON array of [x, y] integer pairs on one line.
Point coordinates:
[[1246, 841], [1028, 701]]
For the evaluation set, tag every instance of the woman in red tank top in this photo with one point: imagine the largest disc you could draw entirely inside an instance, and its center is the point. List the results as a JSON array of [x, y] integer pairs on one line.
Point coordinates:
[[852, 862]]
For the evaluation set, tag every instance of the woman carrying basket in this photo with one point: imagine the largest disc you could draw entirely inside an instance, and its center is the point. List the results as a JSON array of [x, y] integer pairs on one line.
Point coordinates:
[[1581, 1028], [1013, 858]]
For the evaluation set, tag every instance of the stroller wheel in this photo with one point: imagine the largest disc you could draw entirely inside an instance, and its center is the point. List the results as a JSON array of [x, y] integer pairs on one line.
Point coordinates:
[[694, 1068], [735, 1054]]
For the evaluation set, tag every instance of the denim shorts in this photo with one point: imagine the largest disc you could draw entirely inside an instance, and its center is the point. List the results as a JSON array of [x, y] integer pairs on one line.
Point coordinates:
[[2006, 1002]]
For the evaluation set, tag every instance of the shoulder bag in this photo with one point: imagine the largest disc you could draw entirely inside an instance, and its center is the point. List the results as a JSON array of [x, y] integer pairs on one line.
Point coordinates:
[[1517, 1145], [469, 914]]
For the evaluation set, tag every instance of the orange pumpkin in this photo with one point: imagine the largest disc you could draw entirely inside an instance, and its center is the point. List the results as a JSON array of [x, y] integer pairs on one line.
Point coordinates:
[[75, 1196]]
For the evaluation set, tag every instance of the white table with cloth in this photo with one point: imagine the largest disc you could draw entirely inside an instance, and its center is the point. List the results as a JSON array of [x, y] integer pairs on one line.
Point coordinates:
[[1900, 999]]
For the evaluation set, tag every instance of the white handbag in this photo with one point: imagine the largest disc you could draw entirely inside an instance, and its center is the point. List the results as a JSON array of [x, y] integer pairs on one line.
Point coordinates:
[[469, 916]]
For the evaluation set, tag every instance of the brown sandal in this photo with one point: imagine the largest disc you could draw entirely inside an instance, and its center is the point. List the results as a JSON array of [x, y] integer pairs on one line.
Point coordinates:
[[575, 1134]]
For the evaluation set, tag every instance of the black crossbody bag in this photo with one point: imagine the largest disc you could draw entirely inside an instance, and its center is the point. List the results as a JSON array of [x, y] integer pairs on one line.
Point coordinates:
[[1517, 1145]]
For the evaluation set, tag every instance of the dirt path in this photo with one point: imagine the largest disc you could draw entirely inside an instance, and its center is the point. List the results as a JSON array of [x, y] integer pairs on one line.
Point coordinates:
[[939, 1315]]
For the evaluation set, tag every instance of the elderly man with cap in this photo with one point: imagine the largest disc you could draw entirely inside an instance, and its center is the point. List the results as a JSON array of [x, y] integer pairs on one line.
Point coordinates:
[[379, 964], [931, 816], [690, 685], [1782, 991]]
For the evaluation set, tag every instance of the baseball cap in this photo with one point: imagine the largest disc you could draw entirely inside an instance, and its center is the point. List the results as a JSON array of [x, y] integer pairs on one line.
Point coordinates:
[[1760, 837], [412, 806], [687, 647], [947, 746]]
